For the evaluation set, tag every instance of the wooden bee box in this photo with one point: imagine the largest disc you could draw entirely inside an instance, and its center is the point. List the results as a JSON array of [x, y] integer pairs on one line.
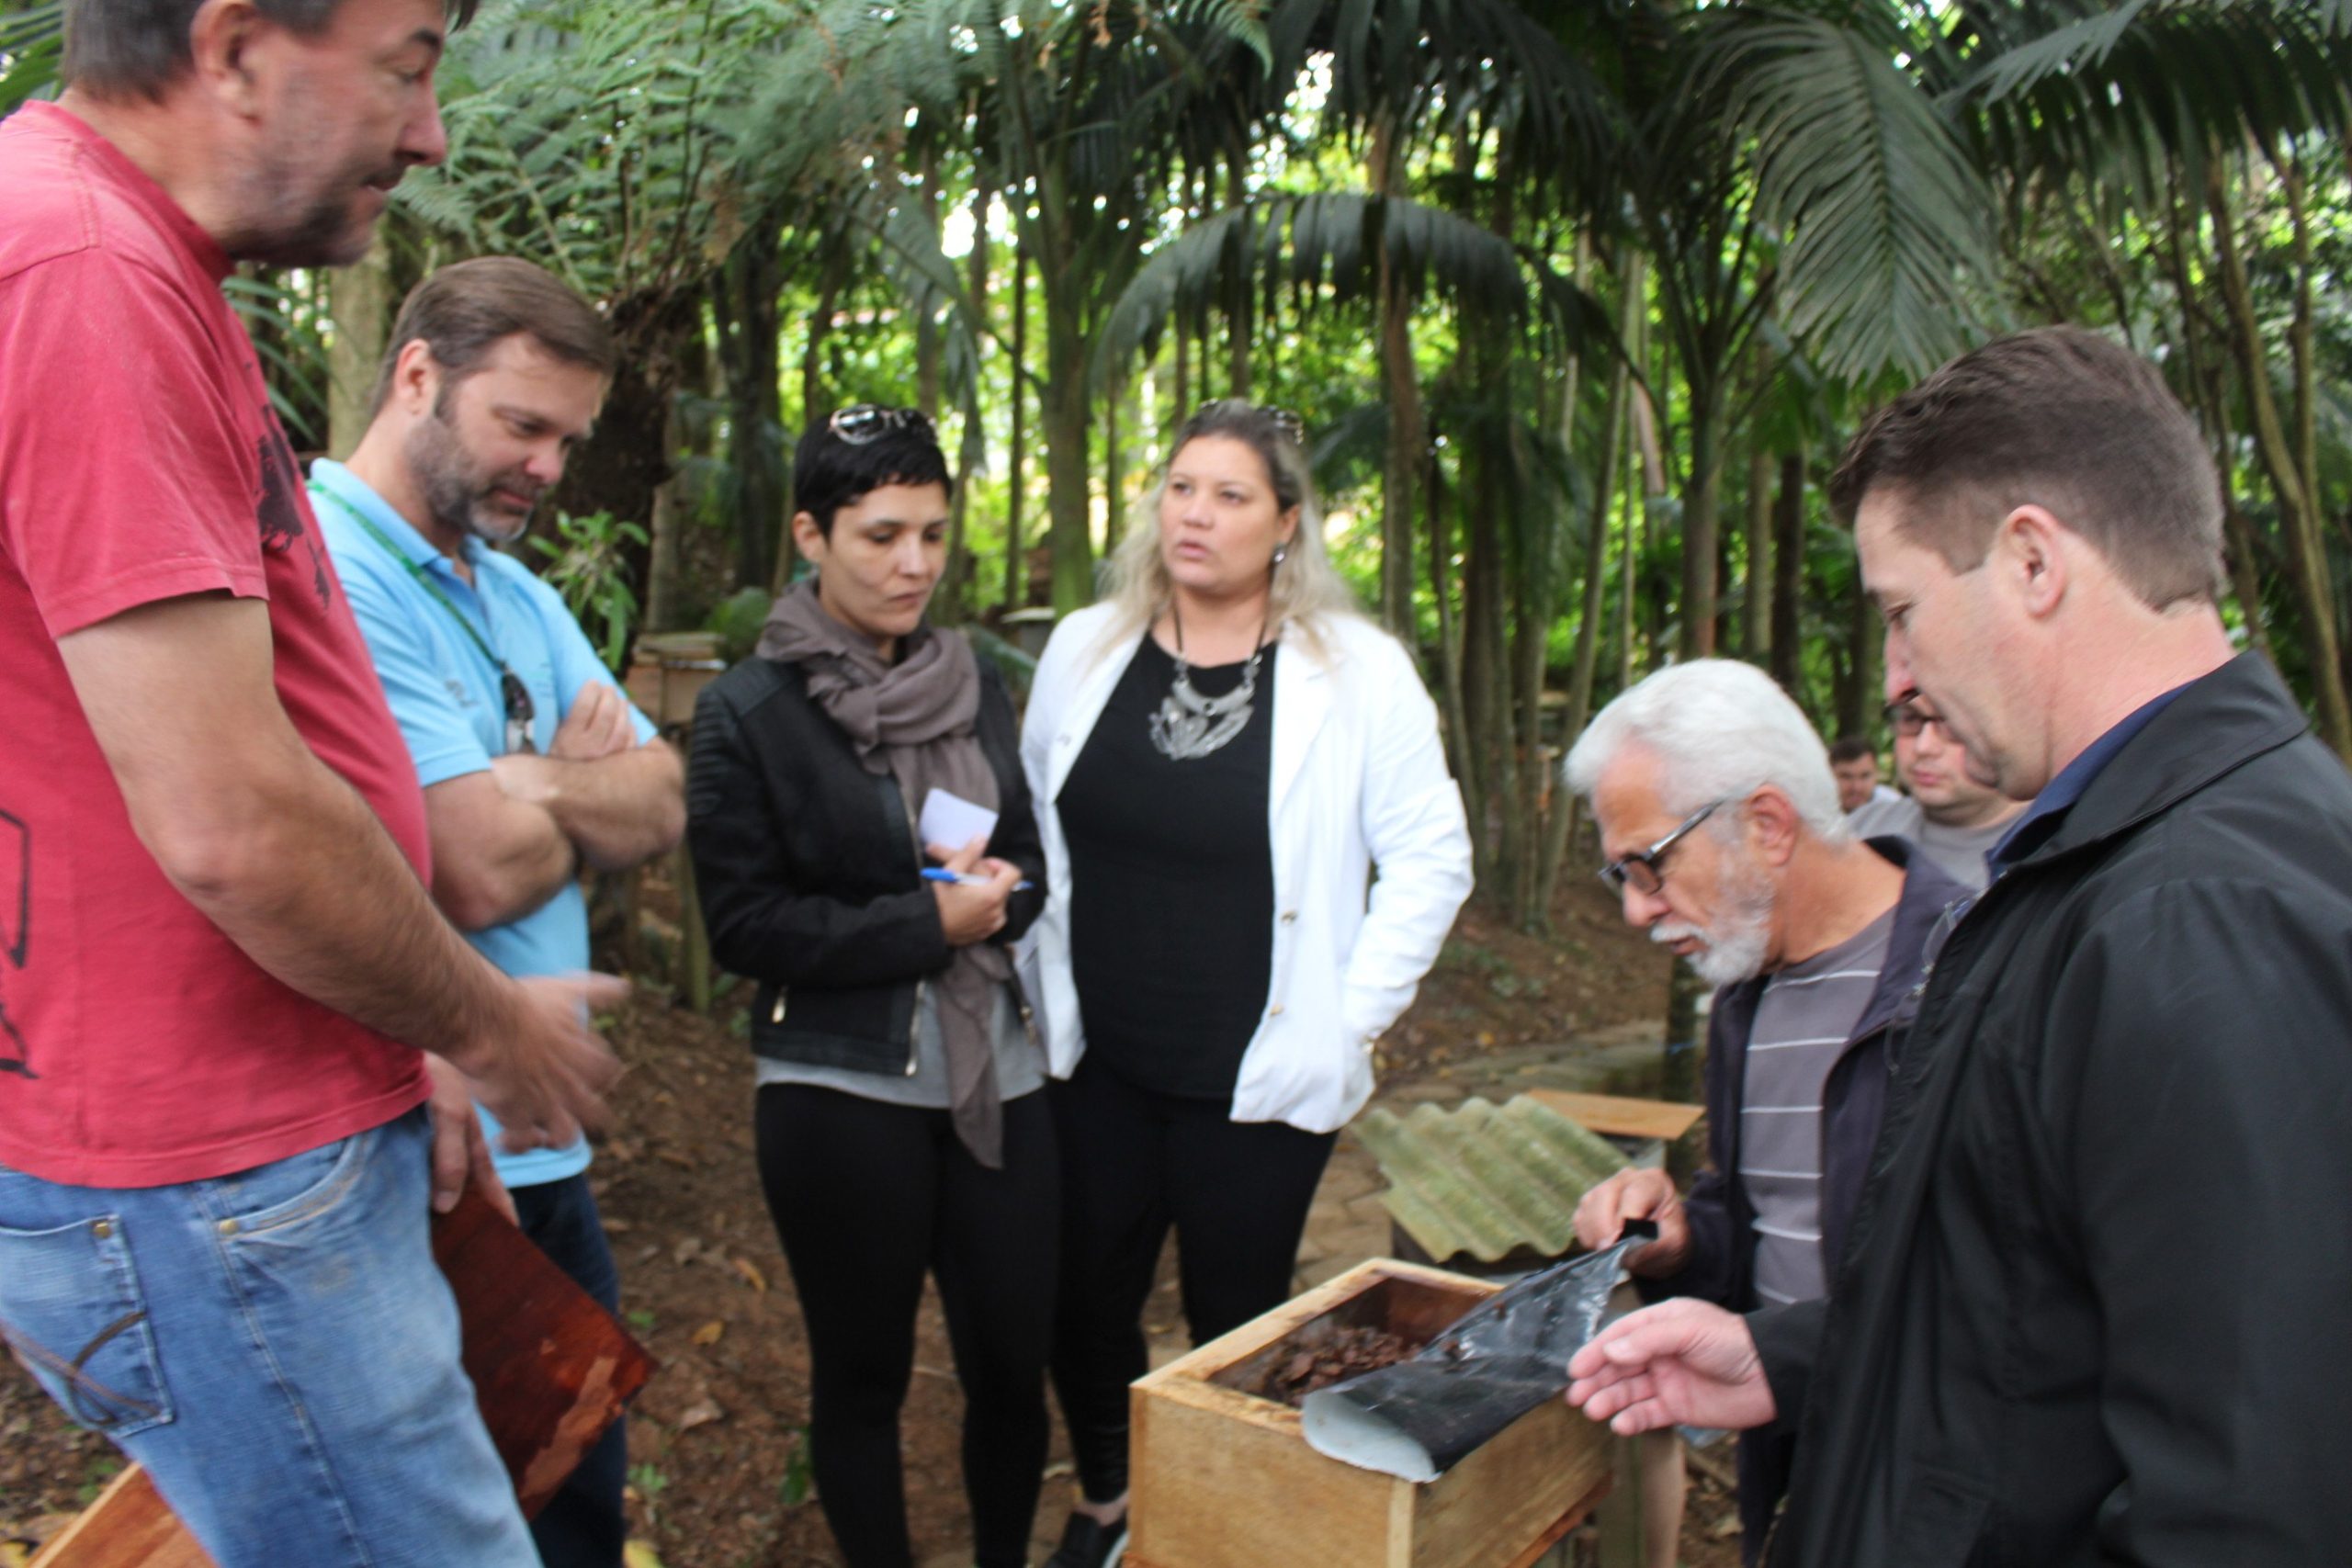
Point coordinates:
[[1223, 1478]]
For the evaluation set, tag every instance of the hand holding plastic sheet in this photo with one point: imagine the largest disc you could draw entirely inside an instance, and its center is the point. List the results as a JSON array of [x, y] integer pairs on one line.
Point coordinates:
[[1501, 1359]]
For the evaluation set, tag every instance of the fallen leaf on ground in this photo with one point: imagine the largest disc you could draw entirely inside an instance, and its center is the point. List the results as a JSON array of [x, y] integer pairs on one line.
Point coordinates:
[[702, 1413], [752, 1275], [709, 1332], [636, 1555]]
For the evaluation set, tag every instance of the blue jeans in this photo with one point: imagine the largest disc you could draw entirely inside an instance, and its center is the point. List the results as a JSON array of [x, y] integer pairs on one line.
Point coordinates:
[[276, 1346], [585, 1525]]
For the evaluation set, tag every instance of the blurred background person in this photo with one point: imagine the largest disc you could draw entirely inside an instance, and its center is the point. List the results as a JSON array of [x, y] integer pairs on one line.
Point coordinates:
[[1854, 759], [899, 1125], [1222, 752], [1954, 819]]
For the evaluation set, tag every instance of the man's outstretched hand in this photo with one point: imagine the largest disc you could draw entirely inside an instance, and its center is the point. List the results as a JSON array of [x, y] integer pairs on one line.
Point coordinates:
[[543, 1070], [1678, 1363]]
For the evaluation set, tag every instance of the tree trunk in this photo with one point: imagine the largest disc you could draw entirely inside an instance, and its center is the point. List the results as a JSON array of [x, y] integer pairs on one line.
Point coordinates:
[[815, 403], [1241, 313], [1458, 731], [956, 591], [2291, 470], [1067, 418], [1755, 612], [1114, 465], [1788, 574], [361, 300], [1401, 379], [744, 297], [1607, 464], [627, 463], [1701, 500], [1016, 576]]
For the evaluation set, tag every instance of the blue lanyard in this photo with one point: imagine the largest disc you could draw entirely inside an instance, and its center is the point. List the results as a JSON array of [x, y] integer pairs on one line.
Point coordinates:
[[516, 696]]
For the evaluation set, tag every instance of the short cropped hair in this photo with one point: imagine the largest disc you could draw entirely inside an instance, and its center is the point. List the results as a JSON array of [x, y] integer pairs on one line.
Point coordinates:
[[828, 473], [1852, 749], [123, 49], [2061, 418], [1721, 730], [467, 309]]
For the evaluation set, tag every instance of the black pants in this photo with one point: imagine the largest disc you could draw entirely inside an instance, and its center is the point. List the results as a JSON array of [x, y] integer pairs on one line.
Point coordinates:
[[868, 1197], [1134, 1162], [582, 1524]]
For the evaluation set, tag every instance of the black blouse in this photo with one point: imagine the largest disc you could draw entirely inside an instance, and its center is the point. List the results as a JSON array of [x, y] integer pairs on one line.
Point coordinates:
[[1171, 886]]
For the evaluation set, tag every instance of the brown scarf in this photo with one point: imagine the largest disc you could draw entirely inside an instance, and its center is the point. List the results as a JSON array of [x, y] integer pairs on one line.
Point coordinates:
[[916, 721]]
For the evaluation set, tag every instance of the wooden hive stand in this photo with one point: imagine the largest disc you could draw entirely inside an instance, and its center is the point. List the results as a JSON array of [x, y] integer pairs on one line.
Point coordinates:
[[1223, 1478]]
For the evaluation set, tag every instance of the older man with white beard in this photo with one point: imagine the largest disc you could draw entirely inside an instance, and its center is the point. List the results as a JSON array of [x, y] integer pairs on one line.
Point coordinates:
[[1720, 820]]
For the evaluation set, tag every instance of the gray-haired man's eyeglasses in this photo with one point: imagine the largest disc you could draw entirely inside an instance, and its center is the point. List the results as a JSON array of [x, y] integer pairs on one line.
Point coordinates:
[[1644, 869]]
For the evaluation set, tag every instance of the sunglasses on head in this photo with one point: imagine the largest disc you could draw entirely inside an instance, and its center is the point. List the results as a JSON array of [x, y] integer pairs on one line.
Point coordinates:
[[862, 422]]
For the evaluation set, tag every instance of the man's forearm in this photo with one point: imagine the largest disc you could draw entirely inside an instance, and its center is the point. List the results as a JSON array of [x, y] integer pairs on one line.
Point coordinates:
[[618, 810], [317, 893]]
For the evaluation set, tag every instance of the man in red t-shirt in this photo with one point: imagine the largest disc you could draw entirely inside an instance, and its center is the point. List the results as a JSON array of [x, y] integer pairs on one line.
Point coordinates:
[[218, 966]]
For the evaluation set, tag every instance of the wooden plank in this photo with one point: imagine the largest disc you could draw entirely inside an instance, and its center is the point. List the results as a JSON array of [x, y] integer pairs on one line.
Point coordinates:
[[127, 1526], [550, 1369], [1622, 1116], [1561, 1527]]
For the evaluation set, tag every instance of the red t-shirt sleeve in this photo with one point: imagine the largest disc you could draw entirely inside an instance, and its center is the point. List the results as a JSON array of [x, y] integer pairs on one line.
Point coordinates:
[[125, 477]]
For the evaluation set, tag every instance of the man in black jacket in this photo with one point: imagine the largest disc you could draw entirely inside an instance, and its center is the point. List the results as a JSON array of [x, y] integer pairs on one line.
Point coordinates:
[[2098, 1303], [1815, 939]]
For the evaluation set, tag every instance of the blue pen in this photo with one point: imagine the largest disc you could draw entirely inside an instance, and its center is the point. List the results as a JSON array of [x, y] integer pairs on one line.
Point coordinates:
[[941, 873]]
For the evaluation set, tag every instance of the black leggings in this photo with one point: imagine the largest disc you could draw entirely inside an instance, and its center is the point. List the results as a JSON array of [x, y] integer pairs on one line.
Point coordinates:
[[1134, 1162], [867, 1197]]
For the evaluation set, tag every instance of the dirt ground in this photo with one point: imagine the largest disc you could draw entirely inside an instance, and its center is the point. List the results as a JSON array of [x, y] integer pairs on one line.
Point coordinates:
[[718, 1475]]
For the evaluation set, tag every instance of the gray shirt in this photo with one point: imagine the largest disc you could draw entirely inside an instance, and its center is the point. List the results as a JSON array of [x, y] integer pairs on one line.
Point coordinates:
[[1960, 851], [1803, 1019], [1020, 1065]]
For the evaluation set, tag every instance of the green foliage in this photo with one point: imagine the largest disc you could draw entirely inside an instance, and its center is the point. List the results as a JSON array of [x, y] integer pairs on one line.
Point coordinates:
[[799, 1483], [739, 619], [587, 563], [32, 45]]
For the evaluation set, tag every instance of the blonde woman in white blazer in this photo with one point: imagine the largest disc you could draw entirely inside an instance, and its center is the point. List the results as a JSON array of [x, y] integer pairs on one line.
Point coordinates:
[[1222, 755]]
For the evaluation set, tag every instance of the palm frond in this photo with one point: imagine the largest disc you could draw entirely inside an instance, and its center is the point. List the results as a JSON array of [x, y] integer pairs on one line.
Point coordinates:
[[1884, 213]]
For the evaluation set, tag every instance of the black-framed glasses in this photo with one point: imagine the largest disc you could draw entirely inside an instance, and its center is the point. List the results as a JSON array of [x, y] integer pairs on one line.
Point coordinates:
[[862, 422], [1644, 869], [1910, 718], [519, 710]]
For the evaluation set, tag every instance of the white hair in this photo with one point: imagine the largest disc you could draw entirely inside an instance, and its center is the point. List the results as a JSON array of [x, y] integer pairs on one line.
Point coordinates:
[[1721, 730]]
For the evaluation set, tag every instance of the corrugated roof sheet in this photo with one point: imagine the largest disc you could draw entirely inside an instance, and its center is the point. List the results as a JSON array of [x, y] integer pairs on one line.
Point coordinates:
[[1487, 1179]]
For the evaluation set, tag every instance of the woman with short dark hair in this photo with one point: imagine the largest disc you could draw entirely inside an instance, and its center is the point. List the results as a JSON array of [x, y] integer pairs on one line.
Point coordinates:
[[900, 1127]]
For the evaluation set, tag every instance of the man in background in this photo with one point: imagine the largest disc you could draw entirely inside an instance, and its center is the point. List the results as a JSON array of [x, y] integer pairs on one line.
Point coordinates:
[[533, 764], [1954, 819], [215, 1159], [1854, 761]]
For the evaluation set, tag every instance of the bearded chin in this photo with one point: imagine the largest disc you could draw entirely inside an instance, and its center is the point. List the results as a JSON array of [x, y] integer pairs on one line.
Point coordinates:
[[494, 527], [1736, 948]]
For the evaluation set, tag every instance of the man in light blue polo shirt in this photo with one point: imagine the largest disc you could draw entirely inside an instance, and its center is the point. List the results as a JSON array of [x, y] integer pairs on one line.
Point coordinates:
[[532, 761]]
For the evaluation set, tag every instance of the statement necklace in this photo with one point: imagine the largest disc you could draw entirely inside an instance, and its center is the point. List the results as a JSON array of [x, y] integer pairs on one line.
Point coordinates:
[[1189, 726]]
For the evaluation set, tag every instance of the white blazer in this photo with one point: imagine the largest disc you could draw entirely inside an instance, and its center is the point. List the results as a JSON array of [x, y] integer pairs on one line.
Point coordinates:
[[1359, 780]]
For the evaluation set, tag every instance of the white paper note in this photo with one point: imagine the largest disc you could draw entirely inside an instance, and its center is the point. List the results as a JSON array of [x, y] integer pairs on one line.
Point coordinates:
[[950, 821]]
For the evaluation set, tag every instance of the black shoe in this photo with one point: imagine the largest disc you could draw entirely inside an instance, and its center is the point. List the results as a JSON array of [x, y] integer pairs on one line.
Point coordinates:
[[1088, 1543]]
